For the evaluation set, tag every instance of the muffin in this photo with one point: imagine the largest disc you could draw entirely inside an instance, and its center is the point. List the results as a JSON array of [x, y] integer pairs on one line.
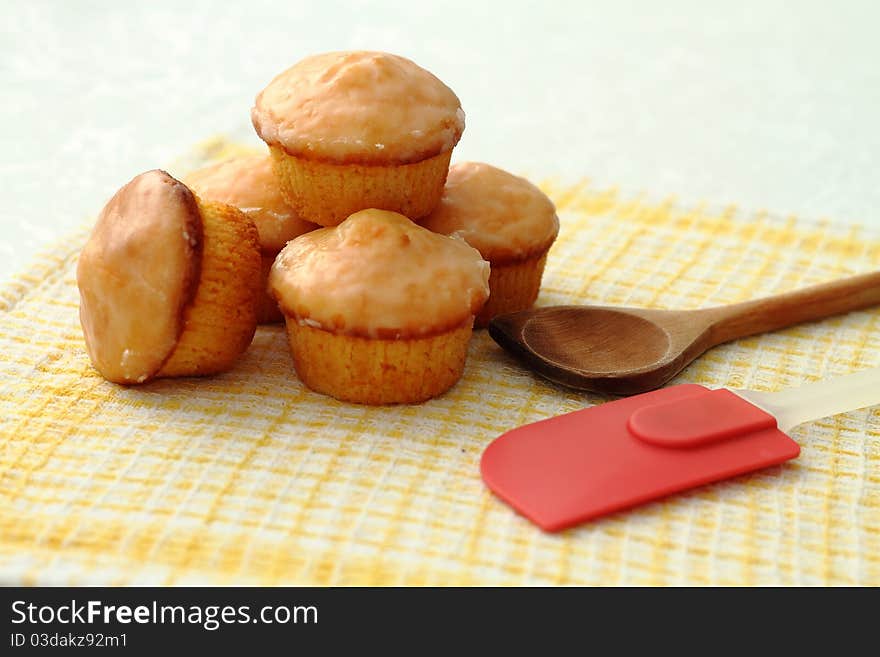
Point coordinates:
[[248, 184], [378, 309], [355, 130], [509, 221], [168, 283]]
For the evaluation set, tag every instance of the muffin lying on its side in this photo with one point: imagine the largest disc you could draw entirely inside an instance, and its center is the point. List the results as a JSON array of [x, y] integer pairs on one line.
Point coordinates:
[[169, 284], [378, 309]]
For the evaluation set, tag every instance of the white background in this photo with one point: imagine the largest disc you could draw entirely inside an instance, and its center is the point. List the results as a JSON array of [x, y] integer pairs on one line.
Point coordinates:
[[765, 104]]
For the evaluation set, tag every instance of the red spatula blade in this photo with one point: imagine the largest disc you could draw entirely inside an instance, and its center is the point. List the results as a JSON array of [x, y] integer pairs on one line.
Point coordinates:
[[565, 470]]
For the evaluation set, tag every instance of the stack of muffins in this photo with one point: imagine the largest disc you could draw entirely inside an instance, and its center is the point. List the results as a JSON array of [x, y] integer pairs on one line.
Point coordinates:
[[353, 229]]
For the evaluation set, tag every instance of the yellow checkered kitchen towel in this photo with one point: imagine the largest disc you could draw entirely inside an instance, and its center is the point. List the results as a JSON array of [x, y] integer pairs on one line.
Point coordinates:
[[249, 478]]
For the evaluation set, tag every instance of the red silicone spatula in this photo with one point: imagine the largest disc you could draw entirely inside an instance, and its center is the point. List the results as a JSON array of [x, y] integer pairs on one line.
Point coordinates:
[[571, 468]]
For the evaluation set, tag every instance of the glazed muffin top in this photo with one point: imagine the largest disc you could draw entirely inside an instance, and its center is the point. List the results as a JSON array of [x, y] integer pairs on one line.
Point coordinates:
[[379, 275], [505, 217], [359, 107], [248, 183], [137, 274]]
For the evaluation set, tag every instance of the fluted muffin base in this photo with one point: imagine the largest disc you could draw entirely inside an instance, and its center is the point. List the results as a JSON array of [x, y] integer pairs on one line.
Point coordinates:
[[326, 193], [220, 322], [377, 371], [512, 287]]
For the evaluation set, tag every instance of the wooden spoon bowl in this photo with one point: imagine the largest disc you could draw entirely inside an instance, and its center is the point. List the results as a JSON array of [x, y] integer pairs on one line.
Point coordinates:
[[626, 351]]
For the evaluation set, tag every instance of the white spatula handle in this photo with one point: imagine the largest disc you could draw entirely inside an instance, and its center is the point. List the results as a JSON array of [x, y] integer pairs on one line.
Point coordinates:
[[813, 401]]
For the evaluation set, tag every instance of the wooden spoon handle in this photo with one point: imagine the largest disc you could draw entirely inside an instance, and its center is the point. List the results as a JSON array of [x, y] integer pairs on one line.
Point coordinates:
[[783, 310]]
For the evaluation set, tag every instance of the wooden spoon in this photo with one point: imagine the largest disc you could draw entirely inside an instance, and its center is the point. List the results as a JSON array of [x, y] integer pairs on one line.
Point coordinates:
[[625, 351]]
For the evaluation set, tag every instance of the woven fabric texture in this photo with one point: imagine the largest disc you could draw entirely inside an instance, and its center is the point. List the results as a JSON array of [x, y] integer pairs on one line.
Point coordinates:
[[250, 478]]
